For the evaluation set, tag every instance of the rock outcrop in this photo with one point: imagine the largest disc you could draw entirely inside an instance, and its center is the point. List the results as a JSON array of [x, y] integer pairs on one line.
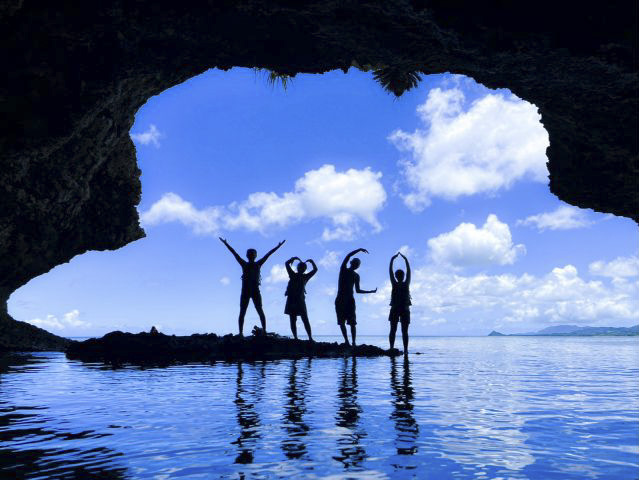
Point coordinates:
[[141, 348], [16, 336], [75, 75]]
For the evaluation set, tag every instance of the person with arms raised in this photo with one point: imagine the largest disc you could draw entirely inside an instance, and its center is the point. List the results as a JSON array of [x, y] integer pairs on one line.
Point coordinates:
[[400, 302], [296, 294], [345, 301], [251, 282]]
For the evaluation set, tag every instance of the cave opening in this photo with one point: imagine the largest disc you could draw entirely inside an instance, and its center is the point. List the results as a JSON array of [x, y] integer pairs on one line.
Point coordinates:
[[451, 173]]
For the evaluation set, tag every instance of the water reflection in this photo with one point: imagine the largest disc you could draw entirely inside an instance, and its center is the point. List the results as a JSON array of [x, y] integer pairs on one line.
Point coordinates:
[[403, 397], [351, 452], [248, 394], [296, 429], [32, 447], [475, 408]]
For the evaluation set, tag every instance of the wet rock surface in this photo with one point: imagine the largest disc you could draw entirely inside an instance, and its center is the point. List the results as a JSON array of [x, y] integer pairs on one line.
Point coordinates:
[[119, 347]]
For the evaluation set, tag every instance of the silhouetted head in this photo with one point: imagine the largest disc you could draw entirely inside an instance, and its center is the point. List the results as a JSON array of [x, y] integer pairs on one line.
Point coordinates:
[[251, 254], [355, 263], [399, 275], [301, 267]]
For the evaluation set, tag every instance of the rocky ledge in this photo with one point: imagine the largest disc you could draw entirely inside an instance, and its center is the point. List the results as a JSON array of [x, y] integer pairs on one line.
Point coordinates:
[[16, 336], [120, 347]]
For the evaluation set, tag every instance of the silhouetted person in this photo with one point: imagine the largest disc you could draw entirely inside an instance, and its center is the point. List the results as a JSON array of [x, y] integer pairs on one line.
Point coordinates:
[[400, 302], [405, 423], [296, 294], [251, 282], [345, 301]]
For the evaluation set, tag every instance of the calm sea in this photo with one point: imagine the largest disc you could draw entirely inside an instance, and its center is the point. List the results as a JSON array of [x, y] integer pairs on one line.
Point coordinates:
[[480, 408]]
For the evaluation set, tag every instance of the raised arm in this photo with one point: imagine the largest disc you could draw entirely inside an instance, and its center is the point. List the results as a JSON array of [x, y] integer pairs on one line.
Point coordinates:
[[239, 259], [391, 274], [270, 252], [314, 271], [358, 289], [288, 264], [348, 257], [407, 268]]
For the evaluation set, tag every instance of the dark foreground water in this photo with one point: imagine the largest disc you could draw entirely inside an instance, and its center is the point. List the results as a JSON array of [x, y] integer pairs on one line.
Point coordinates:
[[467, 408]]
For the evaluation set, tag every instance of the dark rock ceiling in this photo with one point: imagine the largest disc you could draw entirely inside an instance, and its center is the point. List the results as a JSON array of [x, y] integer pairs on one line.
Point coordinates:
[[75, 73]]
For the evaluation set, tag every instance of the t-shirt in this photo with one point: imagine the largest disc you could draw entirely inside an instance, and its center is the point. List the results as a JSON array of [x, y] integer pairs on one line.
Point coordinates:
[[400, 295], [346, 282], [297, 283], [251, 277]]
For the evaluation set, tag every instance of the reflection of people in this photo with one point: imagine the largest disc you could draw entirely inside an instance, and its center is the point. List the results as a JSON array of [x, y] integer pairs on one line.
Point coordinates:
[[403, 397], [400, 302], [296, 294], [345, 301], [351, 452], [295, 409], [251, 282], [247, 418]]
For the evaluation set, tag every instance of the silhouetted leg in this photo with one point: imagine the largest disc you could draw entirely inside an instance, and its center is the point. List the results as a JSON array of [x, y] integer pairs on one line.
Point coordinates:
[[391, 335], [293, 325], [260, 312], [307, 326], [257, 301], [405, 336], [342, 327], [243, 306], [353, 332]]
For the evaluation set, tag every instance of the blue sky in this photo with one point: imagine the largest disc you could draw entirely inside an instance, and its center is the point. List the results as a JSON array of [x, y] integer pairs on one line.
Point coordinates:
[[452, 173]]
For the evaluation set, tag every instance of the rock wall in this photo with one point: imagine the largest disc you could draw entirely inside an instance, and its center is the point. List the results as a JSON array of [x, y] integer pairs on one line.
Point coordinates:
[[76, 73]]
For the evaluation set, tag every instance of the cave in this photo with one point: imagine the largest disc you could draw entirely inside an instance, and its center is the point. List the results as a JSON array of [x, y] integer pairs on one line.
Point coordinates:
[[77, 74]]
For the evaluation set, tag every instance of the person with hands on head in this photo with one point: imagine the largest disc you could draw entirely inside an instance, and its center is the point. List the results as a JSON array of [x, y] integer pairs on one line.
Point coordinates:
[[345, 301], [251, 280], [400, 301], [296, 293]]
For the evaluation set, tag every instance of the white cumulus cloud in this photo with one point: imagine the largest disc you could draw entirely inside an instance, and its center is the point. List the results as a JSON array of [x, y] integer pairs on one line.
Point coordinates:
[[278, 274], [468, 245], [330, 259], [69, 319], [345, 199], [173, 208], [494, 142], [560, 296], [620, 267], [565, 217], [225, 281], [150, 137]]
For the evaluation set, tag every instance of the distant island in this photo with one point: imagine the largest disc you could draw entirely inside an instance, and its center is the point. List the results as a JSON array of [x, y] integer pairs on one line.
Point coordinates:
[[574, 331]]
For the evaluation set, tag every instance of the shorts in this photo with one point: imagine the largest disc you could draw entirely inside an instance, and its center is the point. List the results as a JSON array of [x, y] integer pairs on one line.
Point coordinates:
[[253, 294], [399, 314], [295, 306], [345, 310]]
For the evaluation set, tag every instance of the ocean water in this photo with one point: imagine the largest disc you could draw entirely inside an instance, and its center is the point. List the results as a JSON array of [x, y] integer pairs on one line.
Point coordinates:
[[481, 408]]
